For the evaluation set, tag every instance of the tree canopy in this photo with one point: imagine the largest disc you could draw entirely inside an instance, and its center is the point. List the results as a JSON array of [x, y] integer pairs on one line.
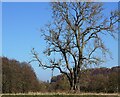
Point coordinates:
[[18, 77]]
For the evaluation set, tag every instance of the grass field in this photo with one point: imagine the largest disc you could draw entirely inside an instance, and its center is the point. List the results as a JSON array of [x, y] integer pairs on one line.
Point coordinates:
[[60, 95]]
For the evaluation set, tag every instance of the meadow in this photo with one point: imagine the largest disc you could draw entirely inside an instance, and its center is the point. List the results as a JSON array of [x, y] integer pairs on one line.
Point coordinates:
[[60, 95]]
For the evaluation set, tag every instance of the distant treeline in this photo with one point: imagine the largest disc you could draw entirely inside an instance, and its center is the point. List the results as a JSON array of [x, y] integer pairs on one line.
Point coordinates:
[[20, 78], [105, 80]]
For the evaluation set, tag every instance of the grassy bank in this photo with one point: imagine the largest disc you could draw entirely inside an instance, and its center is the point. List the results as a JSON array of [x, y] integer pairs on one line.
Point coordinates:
[[60, 95]]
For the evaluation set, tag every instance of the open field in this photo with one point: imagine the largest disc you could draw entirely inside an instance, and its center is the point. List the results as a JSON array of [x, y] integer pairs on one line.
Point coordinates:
[[58, 96], [61, 95]]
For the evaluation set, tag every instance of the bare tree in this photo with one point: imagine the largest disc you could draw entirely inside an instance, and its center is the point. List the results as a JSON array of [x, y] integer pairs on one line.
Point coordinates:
[[74, 38]]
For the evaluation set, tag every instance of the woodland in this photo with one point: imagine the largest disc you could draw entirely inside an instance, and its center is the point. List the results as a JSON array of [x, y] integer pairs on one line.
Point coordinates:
[[20, 78]]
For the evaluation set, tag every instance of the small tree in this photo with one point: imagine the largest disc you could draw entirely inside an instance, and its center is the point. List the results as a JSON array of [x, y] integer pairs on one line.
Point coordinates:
[[74, 38]]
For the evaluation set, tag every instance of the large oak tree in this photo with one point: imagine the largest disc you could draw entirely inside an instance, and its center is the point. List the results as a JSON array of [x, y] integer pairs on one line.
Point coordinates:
[[75, 38]]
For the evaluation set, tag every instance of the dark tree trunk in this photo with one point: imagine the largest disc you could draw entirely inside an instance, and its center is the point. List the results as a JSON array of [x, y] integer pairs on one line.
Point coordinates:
[[74, 83], [75, 87]]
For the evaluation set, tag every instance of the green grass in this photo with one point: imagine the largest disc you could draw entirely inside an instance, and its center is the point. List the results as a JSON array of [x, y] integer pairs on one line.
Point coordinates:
[[60, 96]]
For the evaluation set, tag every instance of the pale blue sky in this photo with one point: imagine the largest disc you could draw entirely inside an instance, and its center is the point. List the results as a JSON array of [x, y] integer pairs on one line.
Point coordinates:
[[0, 29], [60, 0], [20, 33]]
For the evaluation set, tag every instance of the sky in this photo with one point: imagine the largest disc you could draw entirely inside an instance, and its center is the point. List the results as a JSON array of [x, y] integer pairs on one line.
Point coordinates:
[[21, 23], [59, 0], [0, 28]]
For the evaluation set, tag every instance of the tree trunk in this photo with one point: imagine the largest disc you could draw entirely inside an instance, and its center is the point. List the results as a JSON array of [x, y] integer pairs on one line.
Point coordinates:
[[74, 85]]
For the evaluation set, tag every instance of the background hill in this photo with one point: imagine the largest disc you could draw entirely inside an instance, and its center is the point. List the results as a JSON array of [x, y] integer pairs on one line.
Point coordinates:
[[92, 80], [20, 78]]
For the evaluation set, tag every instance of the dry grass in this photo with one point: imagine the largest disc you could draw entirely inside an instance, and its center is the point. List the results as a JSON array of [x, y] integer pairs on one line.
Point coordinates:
[[97, 94]]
